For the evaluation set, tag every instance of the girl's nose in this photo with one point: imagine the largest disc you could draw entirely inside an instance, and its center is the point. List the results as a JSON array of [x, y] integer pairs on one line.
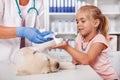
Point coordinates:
[[79, 25]]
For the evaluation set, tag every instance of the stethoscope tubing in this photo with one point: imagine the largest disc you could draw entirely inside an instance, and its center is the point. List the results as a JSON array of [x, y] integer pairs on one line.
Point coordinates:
[[31, 8]]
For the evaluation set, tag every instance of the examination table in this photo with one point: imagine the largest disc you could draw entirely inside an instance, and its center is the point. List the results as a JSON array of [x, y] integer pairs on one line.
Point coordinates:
[[82, 72]]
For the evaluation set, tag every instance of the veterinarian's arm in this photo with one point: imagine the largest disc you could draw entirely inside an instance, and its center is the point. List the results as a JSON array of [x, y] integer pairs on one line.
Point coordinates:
[[32, 34], [7, 32]]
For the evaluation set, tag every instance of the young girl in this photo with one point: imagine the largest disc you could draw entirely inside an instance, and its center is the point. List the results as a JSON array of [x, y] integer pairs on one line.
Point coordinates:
[[91, 44]]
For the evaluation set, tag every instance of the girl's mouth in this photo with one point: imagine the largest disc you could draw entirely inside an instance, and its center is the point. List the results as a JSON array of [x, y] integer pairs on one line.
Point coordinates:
[[80, 30]]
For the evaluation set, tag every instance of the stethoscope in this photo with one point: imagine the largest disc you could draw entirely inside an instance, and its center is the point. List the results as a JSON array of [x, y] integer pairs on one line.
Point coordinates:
[[31, 8]]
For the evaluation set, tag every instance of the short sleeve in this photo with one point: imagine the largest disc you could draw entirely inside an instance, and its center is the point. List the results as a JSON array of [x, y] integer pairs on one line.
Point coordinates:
[[101, 39]]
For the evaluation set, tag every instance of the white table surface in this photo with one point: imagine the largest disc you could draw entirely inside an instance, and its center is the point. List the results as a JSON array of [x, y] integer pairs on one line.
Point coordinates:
[[83, 72]]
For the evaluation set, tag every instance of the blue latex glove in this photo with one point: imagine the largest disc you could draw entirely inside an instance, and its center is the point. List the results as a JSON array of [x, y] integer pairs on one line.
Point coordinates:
[[33, 34]]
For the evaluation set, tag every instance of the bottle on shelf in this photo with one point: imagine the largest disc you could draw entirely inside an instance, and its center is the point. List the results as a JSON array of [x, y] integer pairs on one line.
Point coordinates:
[[62, 6]]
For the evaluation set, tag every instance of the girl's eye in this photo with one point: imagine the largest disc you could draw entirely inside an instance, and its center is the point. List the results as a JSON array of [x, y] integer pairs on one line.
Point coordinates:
[[83, 21], [77, 22], [80, 22]]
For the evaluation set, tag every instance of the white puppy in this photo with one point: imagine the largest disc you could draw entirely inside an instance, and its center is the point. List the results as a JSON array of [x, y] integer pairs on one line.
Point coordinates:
[[33, 60]]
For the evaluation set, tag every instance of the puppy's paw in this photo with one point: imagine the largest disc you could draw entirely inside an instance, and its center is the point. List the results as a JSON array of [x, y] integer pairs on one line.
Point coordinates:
[[67, 65], [44, 72]]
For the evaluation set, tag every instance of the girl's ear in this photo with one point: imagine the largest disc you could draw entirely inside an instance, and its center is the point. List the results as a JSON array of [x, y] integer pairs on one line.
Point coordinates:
[[97, 22]]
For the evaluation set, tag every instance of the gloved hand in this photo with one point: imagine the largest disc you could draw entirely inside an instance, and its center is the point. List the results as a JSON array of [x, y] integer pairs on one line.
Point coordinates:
[[33, 34]]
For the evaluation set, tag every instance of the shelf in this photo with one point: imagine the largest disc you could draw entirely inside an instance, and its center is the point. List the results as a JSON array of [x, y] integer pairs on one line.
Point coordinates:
[[66, 35], [114, 33], [101, 2], [62, 16], [112, 14], [57, 15]]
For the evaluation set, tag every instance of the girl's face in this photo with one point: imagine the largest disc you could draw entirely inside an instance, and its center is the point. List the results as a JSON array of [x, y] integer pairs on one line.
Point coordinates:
[[84, 25]]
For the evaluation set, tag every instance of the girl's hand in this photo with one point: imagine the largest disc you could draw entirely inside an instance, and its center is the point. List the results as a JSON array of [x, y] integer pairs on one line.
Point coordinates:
[[60, 46]]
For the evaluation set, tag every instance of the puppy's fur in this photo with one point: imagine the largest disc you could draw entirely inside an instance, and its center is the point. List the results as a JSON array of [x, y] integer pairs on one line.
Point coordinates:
[[33, 60]]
